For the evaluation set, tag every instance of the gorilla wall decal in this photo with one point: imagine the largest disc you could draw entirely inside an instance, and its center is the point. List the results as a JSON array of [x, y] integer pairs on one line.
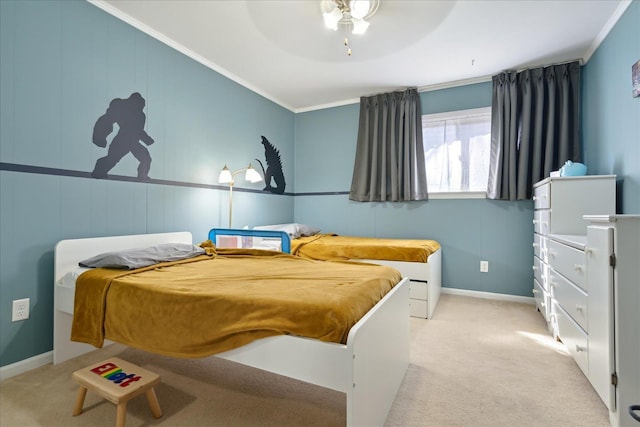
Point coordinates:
[[128, 115]]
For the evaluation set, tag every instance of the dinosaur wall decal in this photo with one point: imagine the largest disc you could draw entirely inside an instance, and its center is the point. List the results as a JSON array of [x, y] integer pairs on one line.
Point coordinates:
[[274, 168]]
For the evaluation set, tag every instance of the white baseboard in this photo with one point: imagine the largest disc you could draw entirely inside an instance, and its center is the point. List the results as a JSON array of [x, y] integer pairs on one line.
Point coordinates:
[[488, 295], [25, 365]]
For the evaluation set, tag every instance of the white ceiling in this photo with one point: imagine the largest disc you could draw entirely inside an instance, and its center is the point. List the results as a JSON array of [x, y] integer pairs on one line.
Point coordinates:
[[281, 49]]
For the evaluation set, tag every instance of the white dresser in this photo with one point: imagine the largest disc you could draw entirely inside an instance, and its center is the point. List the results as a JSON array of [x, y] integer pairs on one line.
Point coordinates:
[[558, 263], [613, 279], [562, 292], [569, 295]]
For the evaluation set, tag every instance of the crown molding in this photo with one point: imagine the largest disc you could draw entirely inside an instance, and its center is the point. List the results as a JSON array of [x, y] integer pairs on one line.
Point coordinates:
[[622, 7], [184, 50], [427, 88], [613, 20]]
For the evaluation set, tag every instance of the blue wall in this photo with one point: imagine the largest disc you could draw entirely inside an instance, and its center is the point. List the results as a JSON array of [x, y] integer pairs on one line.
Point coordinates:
[[61, 64], [611, 116], [469, 230]]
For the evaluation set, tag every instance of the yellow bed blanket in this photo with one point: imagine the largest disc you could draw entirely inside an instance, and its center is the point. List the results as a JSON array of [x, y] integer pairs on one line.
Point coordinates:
[[334, 247], [206, 305]]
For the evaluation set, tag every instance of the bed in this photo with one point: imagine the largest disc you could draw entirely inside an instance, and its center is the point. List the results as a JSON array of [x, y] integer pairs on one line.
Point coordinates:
[[419, 260], [368, 367]]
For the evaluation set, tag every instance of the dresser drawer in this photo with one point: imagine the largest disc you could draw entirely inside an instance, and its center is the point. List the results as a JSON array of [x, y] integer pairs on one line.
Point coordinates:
[[541, 298], [541, 221], [540, 272], [542, 196], [418, 290], [540, 246], [572, 299], [574, 338], [418, 308], [569, 262]]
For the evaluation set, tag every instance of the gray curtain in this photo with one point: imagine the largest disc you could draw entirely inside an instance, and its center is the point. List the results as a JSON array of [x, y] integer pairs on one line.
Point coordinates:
[[534, 127], [389, 163]]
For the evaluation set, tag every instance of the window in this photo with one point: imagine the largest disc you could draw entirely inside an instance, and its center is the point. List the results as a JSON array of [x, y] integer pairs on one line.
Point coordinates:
[[457, 146]]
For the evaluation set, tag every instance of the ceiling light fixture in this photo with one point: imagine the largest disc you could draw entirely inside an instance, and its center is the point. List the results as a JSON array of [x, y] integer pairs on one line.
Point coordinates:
[[351, 14]]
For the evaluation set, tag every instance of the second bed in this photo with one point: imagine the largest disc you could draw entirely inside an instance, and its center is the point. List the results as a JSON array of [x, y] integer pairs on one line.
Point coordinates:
[[419, 260]]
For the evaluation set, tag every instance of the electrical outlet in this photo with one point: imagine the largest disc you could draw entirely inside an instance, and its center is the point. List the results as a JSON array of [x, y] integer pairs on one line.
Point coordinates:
[[20, 310], [484, 266]]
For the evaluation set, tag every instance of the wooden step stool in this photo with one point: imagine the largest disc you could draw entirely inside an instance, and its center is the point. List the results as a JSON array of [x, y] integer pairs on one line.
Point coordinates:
[[117, 381]]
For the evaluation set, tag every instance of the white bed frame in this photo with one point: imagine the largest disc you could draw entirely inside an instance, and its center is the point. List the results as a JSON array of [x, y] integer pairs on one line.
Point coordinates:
[[425, 282], [369, 368]]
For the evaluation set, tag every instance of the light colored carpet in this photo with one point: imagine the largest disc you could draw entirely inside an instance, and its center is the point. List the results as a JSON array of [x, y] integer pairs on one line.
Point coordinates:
[[476, 363]]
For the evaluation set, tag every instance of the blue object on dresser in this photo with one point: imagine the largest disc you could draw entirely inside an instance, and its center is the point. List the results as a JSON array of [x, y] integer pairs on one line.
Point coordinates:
[[573, 169]]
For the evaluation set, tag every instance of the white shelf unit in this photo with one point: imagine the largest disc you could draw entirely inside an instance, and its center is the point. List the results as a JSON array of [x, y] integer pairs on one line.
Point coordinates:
[[613, 278]]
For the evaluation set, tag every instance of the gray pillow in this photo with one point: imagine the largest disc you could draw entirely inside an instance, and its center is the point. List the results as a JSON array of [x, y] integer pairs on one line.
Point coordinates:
[[307, 230], [142, 257]]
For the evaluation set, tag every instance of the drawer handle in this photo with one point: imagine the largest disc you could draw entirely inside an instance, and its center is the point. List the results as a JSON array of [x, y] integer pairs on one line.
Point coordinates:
[[552, 254], [552, 283], [578, 267], [578, 307], [535, 291], [580, 348]]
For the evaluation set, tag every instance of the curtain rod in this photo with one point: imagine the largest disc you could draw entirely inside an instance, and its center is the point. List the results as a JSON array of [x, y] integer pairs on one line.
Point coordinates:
[[580, 62]]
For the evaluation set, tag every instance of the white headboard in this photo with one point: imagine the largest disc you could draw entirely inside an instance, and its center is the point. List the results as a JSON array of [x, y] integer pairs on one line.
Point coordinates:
[[69, 252]]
